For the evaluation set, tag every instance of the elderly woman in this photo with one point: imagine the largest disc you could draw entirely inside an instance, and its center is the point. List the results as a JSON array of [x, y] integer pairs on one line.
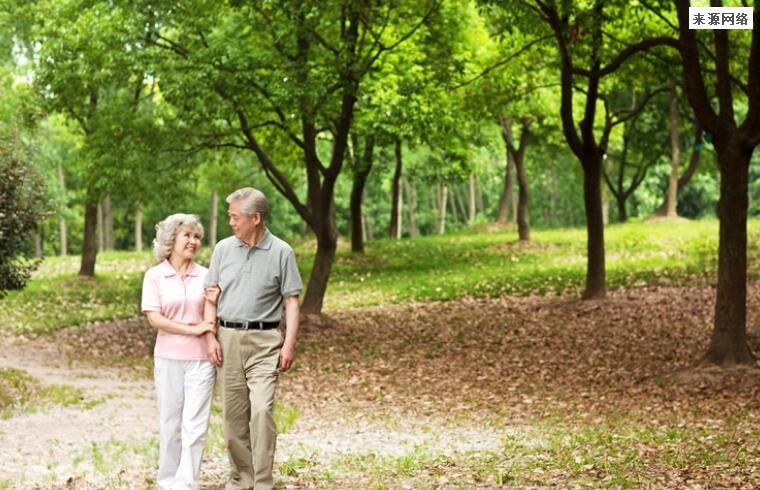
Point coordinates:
[[173, 299]]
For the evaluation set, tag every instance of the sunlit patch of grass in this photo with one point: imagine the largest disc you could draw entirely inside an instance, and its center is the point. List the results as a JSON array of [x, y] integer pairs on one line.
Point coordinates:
[[22, 393], [465, 263]]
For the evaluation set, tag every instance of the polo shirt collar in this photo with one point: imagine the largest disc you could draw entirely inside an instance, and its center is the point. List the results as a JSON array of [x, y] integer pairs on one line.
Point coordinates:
[[264, 244], [167, 270]]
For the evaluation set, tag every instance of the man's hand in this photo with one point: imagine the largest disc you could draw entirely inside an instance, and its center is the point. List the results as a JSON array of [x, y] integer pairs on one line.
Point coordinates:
[[287, 356], [212, 294], [214, 353]]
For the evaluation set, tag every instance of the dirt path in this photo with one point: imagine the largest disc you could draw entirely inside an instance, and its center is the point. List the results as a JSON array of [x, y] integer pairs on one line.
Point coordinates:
[[54, 444], [510, 392]]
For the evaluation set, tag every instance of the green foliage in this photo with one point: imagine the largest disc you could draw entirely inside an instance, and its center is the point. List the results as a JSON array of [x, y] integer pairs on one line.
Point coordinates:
[[22, 204]]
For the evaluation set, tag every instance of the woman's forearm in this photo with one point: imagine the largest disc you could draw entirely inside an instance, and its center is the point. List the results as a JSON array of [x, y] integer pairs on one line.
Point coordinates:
[[160, 322]]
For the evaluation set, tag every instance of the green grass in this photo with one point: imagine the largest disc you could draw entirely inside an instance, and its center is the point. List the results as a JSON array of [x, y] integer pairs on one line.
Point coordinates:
[[474, 262], [20, 392]]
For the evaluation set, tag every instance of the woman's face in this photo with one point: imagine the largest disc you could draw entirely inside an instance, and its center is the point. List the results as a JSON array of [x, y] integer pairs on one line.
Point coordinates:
[[187, 243]]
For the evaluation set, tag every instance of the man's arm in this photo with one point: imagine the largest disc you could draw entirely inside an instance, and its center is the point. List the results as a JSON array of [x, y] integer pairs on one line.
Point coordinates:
[[214, 350], [292, 320]]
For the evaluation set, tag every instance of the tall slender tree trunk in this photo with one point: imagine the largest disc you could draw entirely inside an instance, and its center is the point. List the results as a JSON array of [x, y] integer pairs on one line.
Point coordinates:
[[523, 221], [457, 207], [479, 197], [395, 229], [138, 229], [675, 158], [213, 222], [62, 220], [100, 232], [108, 238], [685, 178], [442, 199], [592, 199], [506, 201], [728, 344], [411, 206], [89, 244], [362, 168], [37, 236], [368, 235], [471, 211]]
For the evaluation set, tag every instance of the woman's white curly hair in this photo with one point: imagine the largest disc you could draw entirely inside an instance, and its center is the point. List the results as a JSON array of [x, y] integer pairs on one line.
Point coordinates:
[[168, 229]]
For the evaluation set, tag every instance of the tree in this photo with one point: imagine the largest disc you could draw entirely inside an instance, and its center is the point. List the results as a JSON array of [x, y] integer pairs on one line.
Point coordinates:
[[274, 78], [641, 146], [592, 61], [734, 144]]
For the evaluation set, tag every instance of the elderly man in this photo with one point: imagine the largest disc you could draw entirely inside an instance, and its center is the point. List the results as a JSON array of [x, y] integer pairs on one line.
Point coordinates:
[[257, 275]]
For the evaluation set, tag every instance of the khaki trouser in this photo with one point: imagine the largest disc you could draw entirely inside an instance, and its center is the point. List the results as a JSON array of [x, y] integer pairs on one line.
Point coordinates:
[[249, 378]]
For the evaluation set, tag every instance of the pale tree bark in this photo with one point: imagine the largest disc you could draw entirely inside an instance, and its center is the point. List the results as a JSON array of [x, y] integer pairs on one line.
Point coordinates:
[[675, 157], [685, 178], [443, 191], [471, 211], [99, 231], [411, 206], [213, 219], [395, 228], [62, 220], [108, 238], [479, 196], [138, 229]]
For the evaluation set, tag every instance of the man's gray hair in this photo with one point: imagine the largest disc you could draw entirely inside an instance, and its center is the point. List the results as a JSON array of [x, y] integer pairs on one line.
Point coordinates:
[[168, 229], [252, 201]]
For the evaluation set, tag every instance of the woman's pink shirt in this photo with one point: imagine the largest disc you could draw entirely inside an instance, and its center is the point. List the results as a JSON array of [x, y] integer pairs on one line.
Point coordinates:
[[179, 298]]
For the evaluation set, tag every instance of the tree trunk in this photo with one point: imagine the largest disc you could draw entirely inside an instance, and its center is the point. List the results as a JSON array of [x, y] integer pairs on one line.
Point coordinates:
[[108, 238], [89, 244], [213, 222], [411, 206], [684, 179], [362, 169], [506, 201], [138, 229], [101, 242], [395, 229], [592, 199], [479, 197], [523, 225], [471, 200], [327, 242], [728, 344], [442, 199], [37, 236], [675, 158], [62, 221], [622, 213], [456, 205]]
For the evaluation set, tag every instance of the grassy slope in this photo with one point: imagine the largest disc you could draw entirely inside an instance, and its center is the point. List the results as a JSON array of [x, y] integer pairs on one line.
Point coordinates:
[[479, 263]]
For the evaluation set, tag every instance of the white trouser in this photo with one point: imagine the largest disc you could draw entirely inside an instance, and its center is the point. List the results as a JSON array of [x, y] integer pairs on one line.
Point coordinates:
[[184, 390]]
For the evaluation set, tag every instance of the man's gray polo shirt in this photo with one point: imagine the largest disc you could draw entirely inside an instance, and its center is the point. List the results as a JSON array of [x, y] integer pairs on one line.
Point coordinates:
[[253, 280]]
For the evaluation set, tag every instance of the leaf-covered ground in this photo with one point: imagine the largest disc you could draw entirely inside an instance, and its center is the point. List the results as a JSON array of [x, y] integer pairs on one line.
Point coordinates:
[[509, 392]]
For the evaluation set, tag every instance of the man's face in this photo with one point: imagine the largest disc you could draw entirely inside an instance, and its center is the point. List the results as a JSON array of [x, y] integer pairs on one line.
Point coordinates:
[[242, 226]]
